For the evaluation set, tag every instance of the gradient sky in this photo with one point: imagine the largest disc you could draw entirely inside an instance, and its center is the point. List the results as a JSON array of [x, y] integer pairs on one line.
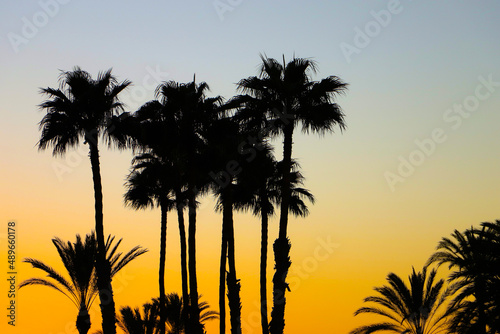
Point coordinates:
[[410, 74]]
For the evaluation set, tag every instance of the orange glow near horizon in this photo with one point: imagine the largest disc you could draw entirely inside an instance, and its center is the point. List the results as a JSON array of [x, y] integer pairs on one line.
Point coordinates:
[[339, 252]]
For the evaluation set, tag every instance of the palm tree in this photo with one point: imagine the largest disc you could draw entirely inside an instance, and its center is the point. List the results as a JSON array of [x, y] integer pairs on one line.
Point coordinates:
[[474, 258], [175, 310], [79, 260], [177, 125], [492, 235], [79, 110], [281, 98], [223, 141], [193, 112], [133, 322], [413, 309], [149, 185], [151, 130], [263, 182]]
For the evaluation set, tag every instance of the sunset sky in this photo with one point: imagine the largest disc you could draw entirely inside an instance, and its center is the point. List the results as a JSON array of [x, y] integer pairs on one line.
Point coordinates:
[[419, 158]]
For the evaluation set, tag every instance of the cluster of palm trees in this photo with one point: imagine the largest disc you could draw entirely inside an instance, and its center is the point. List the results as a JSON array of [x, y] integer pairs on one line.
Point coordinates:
[[470, 304], [187, 145], [132, 321]]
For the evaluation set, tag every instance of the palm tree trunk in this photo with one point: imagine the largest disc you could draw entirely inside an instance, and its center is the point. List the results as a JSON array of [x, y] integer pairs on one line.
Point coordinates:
[[83, 320], [282, 245], [222, 282], [233, 284], [103, 268], [285, 186], [161, 275], [182, 236], [263, 263], [479, 294], [194, 321]]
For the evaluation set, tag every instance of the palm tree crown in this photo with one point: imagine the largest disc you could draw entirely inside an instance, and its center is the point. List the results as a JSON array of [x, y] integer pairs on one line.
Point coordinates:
[[413, 309], [80, 109]]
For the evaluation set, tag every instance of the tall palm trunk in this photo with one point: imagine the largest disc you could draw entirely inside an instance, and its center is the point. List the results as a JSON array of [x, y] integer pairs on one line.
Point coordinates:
[[161, 275], [285, 186], [222, 282], [83, 320], [482, 319], [263, 261], [182, 236], [194, 320], [233, 284], [282, 245], [103, 268]]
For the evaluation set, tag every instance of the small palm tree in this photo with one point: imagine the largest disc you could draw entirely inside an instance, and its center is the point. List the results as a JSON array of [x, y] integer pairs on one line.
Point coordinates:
[[176, 324], [79, 260], [278, 100], [413, 309], [133, 322], [80, 109]]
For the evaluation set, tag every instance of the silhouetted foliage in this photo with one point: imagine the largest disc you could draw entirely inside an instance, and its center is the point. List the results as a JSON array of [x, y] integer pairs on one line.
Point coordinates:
[[414, 309], [149, 184], [474, 258], [81, 109], [277, 101], [79, 261], [132, 321]]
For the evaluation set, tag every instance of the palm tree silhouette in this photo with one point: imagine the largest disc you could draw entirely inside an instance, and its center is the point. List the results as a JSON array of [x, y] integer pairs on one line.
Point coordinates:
[[79, 110], [474, 258], [281, 98], [79, 261], [175, 310], [262, 183], [190, 112], [224, 138], [151, 130], [413, 309], [133, 322], [492, 235], [148, 185], [194, 113], [174, 128]]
